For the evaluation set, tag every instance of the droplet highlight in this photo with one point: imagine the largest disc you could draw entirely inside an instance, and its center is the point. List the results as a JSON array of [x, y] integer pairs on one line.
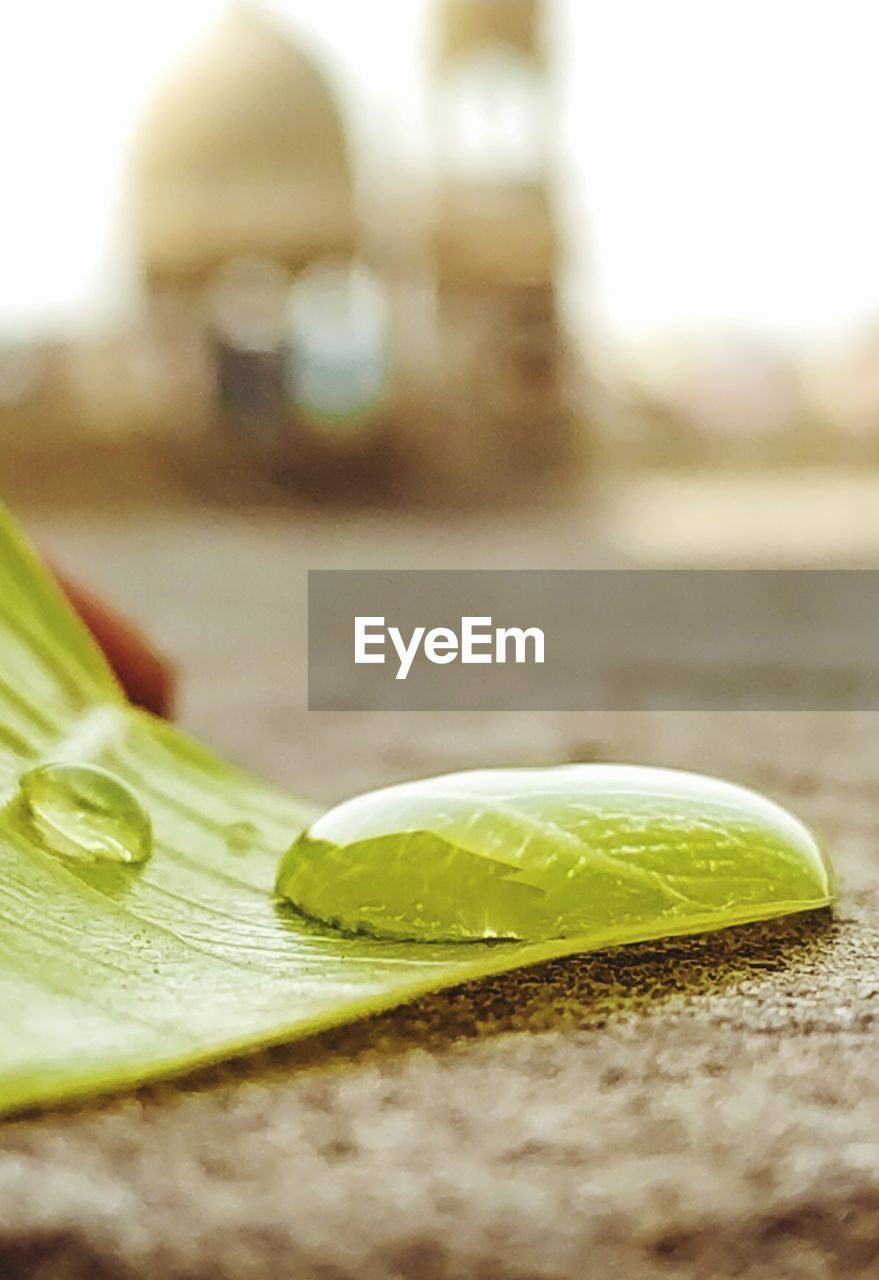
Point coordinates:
[[83, 812]]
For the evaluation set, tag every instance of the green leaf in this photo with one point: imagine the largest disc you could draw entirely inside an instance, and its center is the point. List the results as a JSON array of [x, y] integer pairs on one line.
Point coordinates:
[[118, 965]]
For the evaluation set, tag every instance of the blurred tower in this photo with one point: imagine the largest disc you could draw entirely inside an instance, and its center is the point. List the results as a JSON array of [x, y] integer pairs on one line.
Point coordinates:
[[245, 227], [505, 423]]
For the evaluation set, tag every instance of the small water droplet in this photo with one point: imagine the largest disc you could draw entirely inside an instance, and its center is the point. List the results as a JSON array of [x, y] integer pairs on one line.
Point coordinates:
[[85, 813], [240, 836]]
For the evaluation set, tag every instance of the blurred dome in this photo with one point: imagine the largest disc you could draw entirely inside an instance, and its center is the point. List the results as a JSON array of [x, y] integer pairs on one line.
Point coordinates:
[[467, 26], [243, 152]]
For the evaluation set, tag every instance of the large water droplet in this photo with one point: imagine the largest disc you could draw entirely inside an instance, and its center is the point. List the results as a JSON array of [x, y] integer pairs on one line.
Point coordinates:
[[86, 813], [612, 853]]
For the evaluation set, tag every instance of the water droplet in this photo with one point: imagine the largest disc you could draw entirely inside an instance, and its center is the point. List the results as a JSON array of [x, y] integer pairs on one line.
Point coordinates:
[[240, 836], [611, 853], [86, 813]]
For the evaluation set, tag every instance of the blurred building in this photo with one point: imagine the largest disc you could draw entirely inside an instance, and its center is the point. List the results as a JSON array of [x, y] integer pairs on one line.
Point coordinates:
[[506, 413], [284, 336], [275, 340], [270, 333]]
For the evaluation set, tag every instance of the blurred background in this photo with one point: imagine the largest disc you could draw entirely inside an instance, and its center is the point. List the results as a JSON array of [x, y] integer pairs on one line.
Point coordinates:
[[486, 283], [435, 252]]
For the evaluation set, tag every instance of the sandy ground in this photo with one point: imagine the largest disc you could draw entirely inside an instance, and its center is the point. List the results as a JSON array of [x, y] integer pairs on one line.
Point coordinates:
[[700, 1108]]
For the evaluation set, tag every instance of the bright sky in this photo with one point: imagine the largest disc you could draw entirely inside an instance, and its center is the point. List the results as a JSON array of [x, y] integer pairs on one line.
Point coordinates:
[[721, 153]]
